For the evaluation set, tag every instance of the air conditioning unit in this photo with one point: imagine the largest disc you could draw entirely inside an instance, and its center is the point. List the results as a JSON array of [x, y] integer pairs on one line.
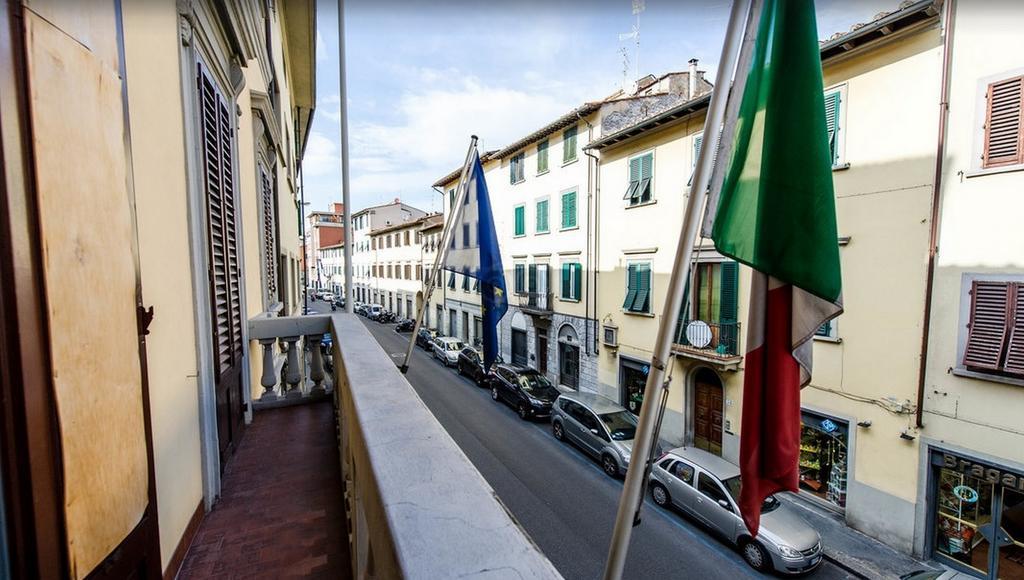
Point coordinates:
[[610, 335]]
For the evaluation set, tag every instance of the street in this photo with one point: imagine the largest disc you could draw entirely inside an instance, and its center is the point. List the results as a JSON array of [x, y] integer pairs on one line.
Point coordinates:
[[560, 496]]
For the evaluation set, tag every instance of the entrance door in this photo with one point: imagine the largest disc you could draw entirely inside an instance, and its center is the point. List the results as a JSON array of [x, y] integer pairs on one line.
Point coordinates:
[[453, 322], [542, 350], [519, 347], [707, 412], [569, 365]]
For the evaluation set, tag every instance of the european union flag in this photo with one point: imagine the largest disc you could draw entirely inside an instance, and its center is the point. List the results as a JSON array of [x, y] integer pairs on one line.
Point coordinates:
[[474, 253]]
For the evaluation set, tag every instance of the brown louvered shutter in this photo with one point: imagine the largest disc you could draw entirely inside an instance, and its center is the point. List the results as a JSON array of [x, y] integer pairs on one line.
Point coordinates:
[[987, 334], [269, 235], [1015, 345], [218, 173], [1004, 123]]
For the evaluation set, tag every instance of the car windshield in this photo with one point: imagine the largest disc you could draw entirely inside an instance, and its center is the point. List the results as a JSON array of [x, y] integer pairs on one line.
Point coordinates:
[[733, 485], [621, 425], [454, 345], [536, 384]]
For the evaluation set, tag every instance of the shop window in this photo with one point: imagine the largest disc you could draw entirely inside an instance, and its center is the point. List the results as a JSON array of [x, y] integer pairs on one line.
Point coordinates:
[[824, 447]]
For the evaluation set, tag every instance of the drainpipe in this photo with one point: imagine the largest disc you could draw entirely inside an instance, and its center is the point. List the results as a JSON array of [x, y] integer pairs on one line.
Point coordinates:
[[444, 286], [591, 271], [933, 234]]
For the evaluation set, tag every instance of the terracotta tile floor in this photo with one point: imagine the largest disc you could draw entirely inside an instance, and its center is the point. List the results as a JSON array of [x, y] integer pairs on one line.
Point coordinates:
[[281, 514]]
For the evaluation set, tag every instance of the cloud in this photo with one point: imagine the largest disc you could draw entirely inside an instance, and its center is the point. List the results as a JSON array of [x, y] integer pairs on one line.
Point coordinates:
[[330, 107], [321, 47], [323, 156]]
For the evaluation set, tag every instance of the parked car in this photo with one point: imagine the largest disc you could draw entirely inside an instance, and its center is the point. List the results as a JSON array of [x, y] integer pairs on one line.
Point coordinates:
[[529, 392], [425, 339], [471, 364], [373, 311], [405, 325], [598, 426], [327, 296], [707, 488], [446, 350]]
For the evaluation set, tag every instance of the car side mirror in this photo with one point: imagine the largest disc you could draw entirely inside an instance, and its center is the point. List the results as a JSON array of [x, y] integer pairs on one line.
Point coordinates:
[[595, 431], [724, 504]]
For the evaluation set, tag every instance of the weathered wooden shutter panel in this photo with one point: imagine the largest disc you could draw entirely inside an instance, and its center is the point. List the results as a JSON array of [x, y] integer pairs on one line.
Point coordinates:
[[728, 294], [532, 278], [1004, 133], [987, 334], [631, 287], [1015, 344], [269, 235], [832, 122], [577, 281]]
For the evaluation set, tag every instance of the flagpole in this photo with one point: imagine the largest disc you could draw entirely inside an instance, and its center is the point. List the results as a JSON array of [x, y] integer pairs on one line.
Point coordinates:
[[442, 253], [633, 486], [346, 193]]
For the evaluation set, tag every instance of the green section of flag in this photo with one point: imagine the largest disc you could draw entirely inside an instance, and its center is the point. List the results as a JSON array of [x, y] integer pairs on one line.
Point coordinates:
[[777, 210]]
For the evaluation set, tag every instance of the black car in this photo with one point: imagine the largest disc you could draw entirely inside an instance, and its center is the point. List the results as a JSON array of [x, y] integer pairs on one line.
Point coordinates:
[[471, 364], [405, 325], [425, 339], [530, 393]]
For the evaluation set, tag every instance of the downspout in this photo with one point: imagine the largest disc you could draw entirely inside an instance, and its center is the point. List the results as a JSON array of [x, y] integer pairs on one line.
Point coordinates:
[[933, 235], [444, 287], [590, 197]]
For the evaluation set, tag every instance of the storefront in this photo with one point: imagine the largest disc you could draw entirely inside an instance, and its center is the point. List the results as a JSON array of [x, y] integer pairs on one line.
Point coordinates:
[[632, 382], [977, 516], [824, 457]]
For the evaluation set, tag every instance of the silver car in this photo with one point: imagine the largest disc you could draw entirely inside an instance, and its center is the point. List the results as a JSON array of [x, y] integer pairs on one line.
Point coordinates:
[[707, 488], [446, 350], [598, 426]]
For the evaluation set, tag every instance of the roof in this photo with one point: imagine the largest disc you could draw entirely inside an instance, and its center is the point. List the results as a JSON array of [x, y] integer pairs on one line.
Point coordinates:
[[570, 118], [366, 209], [398, 226], [342, 245], [433, 220], [908, 14], [677, 112], [487, 156], [714, 464], [595, 403]]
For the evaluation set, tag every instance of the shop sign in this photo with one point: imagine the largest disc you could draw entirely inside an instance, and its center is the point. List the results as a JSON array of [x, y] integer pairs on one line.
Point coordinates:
[[984, 472]]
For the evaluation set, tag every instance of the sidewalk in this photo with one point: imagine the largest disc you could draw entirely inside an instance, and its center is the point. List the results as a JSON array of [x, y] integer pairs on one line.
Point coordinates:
[[851, 550]]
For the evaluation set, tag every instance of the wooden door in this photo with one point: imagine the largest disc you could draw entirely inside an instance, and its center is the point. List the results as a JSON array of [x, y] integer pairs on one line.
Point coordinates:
[[217, 134], [519, 347], [707, 415], [542, 351]]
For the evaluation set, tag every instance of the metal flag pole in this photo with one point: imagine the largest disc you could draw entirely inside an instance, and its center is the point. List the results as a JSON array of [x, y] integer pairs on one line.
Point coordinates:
[[645, 432], [446, 235], [346, 198]]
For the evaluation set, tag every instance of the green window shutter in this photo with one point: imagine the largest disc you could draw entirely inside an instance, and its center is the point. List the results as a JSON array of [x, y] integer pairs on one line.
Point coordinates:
[[643, 192], [728, 300], [698, 142], [451, 199], [519, 283], [566, 276], [568, 210], [542, 216], [520, 219], [631, 287], [832, 122], [542, 156], [635, 168], [642, 301], [577, 281], [532, 277], [569, 145]]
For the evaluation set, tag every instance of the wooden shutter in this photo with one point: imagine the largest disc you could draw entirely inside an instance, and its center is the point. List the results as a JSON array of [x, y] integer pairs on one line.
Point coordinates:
[[520, 273], [631, 287], [542, 156], [634, 179], [531, 276], [569, 210], [569, 145], [566, 282], [269, 235], [520, 219], [1004, 126], [643, 192], [728, 305], [832, 123], [577, 281], [1015, 344], [542, 216], [218, 173], [987, 334], [643, 294]]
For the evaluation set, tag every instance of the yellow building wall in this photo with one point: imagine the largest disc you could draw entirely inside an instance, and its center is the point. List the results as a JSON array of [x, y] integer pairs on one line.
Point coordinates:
[[158, 161]]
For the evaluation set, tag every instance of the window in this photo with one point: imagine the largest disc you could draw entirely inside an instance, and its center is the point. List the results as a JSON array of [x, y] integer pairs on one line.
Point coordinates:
[[542, 157], [710, 488], [465, 283], [641, 173], [569, 145], [515, 166], [408, 272], [638, 288], [419, 271], [520, 220], [542, 216], [465, 236], [373, 243], [833, 122], [572, 274], [1004, 123], [451, 198], [995, 338], [519, 282], [569, 210], [683, 471], [476, 285], [451, 280], [828, 330], [407, 238]]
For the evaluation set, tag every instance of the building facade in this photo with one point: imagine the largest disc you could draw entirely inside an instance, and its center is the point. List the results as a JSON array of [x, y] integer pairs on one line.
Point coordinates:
[[364, 222], [331, 261], [323, 229], [398, 267]]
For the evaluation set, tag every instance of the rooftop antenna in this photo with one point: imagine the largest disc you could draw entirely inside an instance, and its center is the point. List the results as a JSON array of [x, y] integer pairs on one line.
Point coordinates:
[[638, 7]]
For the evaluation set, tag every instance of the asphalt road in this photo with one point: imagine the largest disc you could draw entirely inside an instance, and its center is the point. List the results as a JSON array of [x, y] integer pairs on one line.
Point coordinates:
[[559, 495]]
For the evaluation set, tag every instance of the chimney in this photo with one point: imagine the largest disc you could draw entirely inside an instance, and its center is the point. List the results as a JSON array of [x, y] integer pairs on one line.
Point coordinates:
[[693, 79]]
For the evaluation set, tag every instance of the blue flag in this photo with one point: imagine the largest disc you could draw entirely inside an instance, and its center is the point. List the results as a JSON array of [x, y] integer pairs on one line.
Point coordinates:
[[474, 253]]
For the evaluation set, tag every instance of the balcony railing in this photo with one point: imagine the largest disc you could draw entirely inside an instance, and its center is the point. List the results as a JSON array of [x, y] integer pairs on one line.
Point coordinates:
[[709, 340], [536, 302], [416, 507]]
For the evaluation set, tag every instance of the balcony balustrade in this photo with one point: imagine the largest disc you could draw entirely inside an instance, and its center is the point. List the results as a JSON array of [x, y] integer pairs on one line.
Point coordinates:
[[716, 342], [538, 303]]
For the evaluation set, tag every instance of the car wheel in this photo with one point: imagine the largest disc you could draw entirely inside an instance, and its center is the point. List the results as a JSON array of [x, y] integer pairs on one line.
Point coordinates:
[[659, 494], [494, 393], [755, 555], [556, 430], [461, 373], [609, 465], [524, 412]]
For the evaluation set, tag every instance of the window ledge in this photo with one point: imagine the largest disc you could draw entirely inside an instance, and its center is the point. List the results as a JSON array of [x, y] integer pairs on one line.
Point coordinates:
[[644, 204], [644, 314], [994, 170], [963, 372], [545, 172], [840, 167], [544, 233], [832, 339], [518, 182], [518, 235], [576, 227], [561, 299], [571, 161]]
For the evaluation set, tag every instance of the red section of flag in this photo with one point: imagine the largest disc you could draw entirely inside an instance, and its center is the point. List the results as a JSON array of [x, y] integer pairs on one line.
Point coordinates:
[[770, 439]]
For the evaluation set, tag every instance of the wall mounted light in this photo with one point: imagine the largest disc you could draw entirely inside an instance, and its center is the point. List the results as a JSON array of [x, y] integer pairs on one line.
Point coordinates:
[[865, 423], [905, 434]]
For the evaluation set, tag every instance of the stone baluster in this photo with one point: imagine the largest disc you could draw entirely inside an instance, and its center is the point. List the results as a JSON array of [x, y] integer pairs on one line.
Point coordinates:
[[294, 372], [269, 377], [316, 364]]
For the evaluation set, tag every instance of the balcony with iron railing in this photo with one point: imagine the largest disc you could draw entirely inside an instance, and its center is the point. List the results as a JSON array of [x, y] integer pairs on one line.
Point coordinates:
[[344, 472], [536, 303], [715, 342]]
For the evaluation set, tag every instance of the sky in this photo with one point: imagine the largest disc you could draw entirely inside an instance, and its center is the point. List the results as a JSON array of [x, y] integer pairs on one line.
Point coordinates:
[[424, 76]]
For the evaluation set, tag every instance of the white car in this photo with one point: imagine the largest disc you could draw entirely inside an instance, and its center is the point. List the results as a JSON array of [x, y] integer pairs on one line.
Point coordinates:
[[446, 350], [327, 296]]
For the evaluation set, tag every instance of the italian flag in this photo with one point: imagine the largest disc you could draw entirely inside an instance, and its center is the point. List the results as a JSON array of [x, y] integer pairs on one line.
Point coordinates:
[[776, 214]]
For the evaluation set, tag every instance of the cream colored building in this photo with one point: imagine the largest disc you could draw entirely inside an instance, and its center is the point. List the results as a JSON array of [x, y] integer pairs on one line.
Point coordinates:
[[398, 267], [860, 448], [364, 255], [331, 264]]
